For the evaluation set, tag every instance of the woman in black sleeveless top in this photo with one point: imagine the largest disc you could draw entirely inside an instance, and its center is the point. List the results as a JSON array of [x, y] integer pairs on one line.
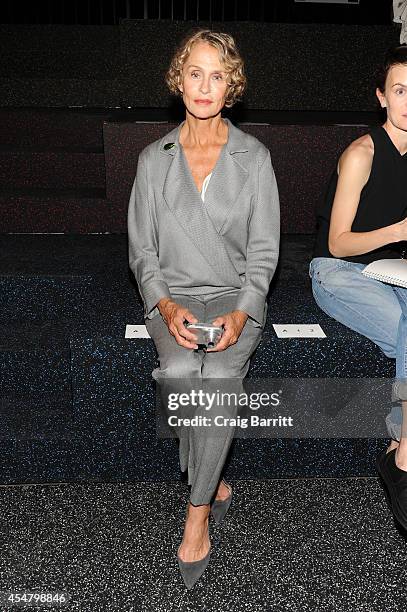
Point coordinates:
[[364, 218]]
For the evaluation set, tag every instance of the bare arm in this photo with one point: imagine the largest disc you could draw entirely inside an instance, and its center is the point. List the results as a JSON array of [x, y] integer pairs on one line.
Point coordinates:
[[353, 173]]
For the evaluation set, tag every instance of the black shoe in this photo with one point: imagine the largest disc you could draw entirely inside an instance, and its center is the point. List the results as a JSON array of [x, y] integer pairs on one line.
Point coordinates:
[[395, 480]]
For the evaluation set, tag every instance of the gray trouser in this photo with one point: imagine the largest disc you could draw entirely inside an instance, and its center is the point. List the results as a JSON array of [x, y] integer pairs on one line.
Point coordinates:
[[203, 455]]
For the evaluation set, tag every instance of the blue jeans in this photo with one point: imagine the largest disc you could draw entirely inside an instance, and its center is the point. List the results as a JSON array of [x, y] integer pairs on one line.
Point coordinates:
[[371, 308]]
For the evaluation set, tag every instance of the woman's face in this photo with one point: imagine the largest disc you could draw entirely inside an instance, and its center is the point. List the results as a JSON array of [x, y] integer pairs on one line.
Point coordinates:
[[394, 98], [204, 81]]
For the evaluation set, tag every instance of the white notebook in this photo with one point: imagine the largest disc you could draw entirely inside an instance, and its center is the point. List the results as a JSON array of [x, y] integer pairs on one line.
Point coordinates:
[[392, 271]]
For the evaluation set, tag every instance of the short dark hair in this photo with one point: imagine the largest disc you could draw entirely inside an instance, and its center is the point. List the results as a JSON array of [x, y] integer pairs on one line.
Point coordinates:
[[394, 56]]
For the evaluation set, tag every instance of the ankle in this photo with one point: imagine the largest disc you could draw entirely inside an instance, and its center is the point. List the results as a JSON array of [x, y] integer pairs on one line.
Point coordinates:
[[198, 514], [195, 534]]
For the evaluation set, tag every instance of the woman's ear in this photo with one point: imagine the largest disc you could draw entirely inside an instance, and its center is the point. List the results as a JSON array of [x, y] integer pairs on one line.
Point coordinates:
[[381, 97]]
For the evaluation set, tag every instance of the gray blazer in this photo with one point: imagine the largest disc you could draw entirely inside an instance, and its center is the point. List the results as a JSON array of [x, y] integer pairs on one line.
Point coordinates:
[[181, 245]]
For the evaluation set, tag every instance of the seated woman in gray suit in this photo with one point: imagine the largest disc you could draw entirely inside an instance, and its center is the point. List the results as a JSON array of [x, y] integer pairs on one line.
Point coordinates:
[[203, 224]]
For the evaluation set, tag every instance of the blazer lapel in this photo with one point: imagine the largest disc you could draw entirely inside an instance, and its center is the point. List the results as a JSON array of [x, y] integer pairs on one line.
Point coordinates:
[[203, 222], [228, 179]]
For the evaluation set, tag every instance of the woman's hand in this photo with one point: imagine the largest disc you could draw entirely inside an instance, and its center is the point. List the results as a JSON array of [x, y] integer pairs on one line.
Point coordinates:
[[174, 316], [233, 323]]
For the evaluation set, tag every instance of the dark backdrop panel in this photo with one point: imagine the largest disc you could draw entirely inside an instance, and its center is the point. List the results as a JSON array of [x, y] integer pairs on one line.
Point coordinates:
[[291, 67], [59, 52], [60, 66]]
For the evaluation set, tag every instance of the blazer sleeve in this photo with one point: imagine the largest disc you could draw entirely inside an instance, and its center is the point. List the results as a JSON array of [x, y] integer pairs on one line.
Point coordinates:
[[143, 243], [263, 244]]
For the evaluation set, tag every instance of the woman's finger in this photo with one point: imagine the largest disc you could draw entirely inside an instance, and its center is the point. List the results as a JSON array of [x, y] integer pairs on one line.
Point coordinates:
[[186, 314], [223, 344], [185, 343], [184, 331]]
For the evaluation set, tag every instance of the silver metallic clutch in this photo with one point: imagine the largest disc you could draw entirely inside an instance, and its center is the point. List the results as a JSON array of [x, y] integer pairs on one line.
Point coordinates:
[[207, 335]]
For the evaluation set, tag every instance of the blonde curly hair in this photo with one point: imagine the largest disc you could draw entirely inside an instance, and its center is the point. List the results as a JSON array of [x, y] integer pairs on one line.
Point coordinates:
[[228, 54]]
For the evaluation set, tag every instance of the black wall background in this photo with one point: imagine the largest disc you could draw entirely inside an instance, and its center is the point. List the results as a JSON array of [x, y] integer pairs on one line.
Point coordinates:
[[290, 67]]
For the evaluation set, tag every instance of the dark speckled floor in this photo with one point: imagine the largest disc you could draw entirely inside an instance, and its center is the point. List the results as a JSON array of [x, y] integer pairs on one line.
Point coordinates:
[[322, 545], [105, 535]]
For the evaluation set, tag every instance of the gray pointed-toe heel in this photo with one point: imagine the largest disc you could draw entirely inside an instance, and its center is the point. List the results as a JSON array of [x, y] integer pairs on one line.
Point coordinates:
[[219, 508], [191, 571]]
